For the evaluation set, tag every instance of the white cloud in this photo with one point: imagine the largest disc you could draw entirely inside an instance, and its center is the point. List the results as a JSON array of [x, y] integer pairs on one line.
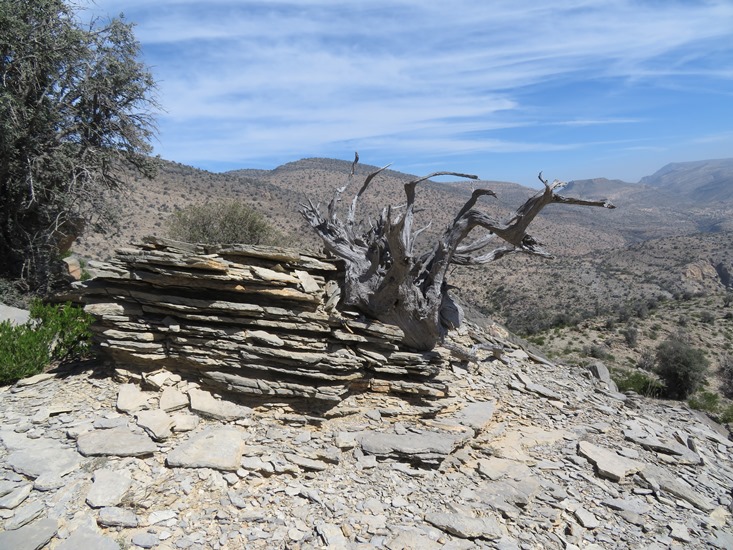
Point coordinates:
[[289, 77]]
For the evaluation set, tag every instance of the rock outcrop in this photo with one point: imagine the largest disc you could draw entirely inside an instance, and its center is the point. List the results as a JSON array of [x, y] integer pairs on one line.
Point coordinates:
[[248, 319]]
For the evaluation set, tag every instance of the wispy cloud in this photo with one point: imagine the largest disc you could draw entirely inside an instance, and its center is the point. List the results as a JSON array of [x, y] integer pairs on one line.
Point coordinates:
[[254, 81]]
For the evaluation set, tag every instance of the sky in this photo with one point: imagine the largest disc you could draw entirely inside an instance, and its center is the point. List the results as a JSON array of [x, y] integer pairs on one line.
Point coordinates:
[[502, 89]]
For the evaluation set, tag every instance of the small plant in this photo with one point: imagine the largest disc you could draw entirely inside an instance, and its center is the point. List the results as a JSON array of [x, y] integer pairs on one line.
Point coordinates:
[[707, 317], [638, 382], [53, 333], [597, 351], [705, 401], [631, 335], [221, 222], [726, 373], [681, 367], [647, 360]]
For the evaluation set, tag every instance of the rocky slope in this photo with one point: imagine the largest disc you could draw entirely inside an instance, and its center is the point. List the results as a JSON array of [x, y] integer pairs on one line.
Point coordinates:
[[523, 453]]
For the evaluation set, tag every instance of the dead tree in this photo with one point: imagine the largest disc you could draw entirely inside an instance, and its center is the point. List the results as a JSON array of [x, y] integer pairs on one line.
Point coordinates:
[[387, 280]]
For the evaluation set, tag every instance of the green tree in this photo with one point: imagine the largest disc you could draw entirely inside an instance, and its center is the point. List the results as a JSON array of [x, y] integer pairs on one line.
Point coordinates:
[[76, 115], [221, 222], [681, 367]]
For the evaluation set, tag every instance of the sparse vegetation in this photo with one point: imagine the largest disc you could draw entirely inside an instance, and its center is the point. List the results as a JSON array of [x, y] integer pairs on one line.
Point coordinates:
[[681, 367], [637, 381], [53, 333], [222, 222]]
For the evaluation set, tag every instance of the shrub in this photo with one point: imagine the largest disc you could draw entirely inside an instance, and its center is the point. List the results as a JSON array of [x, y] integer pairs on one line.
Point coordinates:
[[726, 373], [681, 367], [705, 401], [53, 333], [597, 351], [221, 222], [638, 382], [707, 317], [647, 359], [631, 335]]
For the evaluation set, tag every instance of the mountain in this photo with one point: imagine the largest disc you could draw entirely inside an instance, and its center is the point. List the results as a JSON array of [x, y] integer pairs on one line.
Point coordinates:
[[593, 246], [704, 181]]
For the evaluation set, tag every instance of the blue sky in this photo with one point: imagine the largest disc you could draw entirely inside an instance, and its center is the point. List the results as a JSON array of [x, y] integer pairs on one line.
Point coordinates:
[[502, 89]]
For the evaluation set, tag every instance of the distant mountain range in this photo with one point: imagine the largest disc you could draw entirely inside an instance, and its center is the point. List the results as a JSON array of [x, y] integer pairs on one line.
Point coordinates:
[[701, 181], [693, 200]]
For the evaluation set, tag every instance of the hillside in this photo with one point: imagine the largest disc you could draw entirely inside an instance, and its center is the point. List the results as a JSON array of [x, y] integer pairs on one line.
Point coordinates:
[[705, 181], [604, 261]]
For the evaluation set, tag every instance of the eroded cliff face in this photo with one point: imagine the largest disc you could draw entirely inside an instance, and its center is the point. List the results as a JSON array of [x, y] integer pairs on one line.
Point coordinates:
[[703, 275]]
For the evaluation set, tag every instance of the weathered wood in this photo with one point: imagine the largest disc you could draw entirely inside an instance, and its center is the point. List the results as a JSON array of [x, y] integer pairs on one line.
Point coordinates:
[[386, 279]]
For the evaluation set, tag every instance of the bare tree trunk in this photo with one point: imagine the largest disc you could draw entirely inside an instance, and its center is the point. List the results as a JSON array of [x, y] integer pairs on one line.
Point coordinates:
[[386, 280]]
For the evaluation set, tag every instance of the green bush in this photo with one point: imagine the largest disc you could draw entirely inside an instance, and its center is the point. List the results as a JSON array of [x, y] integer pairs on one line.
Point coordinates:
[[726, 374], [681, 367], [638, 382], [221, 222], [705, 401], [53, 333]]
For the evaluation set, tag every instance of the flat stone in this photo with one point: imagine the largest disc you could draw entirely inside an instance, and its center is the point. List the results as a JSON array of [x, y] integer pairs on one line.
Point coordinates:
[[306, 463], [16, 497], [666, 482], [682, 453], [117, 517], [14, 315], [108, 489], [332, 535], [476, 415], [158, 379], [131, 398], [29, 537], [83, 537], [44, 456], [203, 403], [428, 447], [115, 442], [145, 540], [48, 482], [496, 468], [721, 540], [217, 448], [159, 516], [608, 464], [157, 423], [183, 422], [518, 492], [466, 527], [24, 515], [112, 422], [679, 532], [172, 400], [36, 379], [586, 518]]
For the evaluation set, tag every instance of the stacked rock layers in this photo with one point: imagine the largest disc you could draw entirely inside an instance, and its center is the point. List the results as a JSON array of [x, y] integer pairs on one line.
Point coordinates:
[[248, 319]]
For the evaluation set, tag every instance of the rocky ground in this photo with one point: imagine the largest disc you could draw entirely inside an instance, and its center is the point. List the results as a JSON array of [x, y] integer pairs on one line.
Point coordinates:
[[523, 454]]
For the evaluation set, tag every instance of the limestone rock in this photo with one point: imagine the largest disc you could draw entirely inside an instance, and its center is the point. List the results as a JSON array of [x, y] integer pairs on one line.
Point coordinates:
[[218, 448], [465, 526], [203, 403], [29, 537], [115, 442], [83, 537], [608, 464], [131, 398], [429, 448], [156, 423], [108, 489]]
